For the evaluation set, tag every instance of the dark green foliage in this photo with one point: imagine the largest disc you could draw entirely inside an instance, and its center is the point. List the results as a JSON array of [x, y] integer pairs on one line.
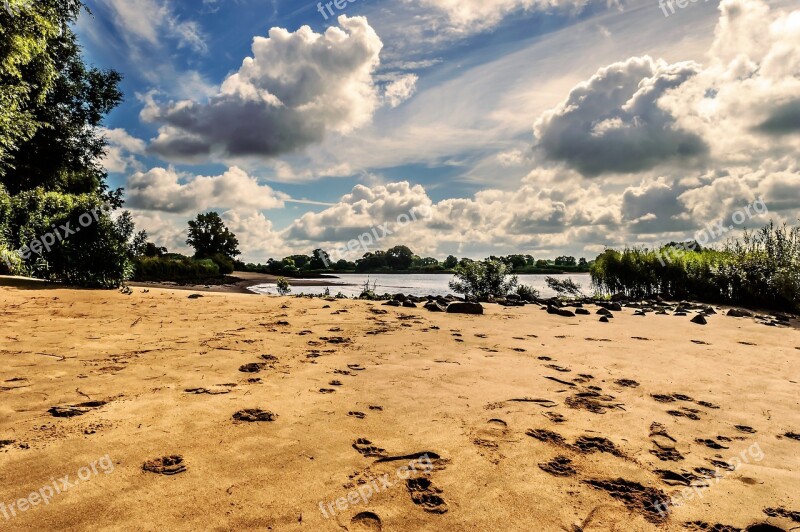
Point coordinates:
[[479, 280], [174, 269], [761, 269], [96, 254], [209, 236]]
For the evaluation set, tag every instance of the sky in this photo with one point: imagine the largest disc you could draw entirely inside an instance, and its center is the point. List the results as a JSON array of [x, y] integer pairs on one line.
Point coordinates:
[[543, 127]]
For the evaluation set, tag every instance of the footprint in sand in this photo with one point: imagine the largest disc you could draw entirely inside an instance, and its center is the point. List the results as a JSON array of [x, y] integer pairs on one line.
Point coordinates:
[[642, 499], [326, 390], [663, 444], [76, 410], [366, 522], [486, 439], [424, 494], [356, 367], [359, 415], [366, 448], [558, 368], [792, 435], [253, 415], [167, 465], [711, 444], [627, 383], [375, 407], [555, 417], [253, 367], [560, 466], [335, 383], [547, 359]]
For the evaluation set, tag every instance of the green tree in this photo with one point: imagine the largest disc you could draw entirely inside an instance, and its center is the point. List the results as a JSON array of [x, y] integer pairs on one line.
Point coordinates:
[[209, 236], [450, 262], [64, 151], [479, 280], [283, 286], [399, 258]]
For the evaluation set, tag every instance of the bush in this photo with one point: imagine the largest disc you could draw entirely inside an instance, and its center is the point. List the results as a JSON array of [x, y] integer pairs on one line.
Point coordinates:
[[92, 250], [760, 269], [174, 269], [283, 286], [224, 263], [479, 280], [564, 287], [527, 292]]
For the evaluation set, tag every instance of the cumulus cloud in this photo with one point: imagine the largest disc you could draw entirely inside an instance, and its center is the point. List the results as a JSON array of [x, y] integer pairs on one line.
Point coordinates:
[[613, 123], [293, 90], [163, 189], [121, 150]]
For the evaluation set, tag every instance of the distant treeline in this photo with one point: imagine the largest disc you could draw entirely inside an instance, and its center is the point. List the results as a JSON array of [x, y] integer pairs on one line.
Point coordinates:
[[400, 259], [760, 270]]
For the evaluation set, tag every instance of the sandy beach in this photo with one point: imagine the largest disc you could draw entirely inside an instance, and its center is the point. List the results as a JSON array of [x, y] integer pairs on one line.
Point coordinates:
[[306, 414]]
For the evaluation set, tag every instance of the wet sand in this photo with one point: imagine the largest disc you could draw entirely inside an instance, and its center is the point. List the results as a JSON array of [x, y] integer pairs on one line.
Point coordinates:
[[272, 412]]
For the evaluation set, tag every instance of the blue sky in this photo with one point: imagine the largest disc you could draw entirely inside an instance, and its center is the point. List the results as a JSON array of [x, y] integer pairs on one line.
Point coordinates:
[[542, 127]]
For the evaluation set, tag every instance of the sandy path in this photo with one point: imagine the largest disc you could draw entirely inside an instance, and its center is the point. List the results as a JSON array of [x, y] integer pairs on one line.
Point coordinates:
[[425, 384]]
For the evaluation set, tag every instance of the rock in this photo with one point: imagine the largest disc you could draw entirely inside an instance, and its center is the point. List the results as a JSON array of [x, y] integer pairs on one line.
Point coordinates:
[[781, 317], [434, 306], [458, 307], [195, 296], [680, 313], [399, 297], [639, 313], [615, 307], [392, 303], [409, 304], [560, 312], [699, 319], [661, 312], [582, 312], [708, 311], [604, 319], [740, 313], [604, 312]]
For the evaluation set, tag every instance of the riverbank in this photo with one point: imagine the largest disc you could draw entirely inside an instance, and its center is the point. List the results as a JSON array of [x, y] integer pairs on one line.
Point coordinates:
[[518, 417]]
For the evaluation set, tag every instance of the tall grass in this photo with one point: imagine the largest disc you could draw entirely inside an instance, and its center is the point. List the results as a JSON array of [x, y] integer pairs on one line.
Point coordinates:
[[762, 269]]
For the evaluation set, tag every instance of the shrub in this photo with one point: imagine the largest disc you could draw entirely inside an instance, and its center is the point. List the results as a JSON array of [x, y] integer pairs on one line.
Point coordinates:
[[224, 263], [760, 269], [174, 269], [527, 292], [479, 280], [564, 287], [283, 286], [95, 254]]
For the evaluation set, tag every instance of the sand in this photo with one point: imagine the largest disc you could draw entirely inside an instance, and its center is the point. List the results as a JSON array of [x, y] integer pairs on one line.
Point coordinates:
[[514, 420]]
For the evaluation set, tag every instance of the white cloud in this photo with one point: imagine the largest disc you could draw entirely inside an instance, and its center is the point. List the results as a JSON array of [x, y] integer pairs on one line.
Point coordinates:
[[400, 89], [121, 150], [150, 21], [296, 88], [162, 189]]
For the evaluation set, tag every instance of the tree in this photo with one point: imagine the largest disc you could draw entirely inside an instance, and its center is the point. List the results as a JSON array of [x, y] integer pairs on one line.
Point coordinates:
[[564, 287], [151, 250], [209, 236], [64, 152], [450, 262], [283, 286], [479, 280], [320, 260], [565, 261], [399, 258]]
